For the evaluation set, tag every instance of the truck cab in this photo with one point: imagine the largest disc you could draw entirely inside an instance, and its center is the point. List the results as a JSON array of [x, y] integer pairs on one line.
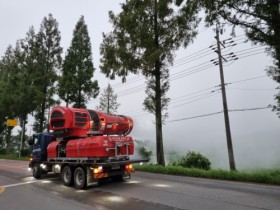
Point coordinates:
[[39, 143]]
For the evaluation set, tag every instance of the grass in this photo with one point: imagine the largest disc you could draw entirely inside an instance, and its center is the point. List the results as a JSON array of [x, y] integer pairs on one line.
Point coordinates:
[[13, 157], [258, 176]]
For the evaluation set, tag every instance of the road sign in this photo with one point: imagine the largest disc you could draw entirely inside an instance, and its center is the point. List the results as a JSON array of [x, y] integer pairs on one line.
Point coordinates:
[[11, 122]]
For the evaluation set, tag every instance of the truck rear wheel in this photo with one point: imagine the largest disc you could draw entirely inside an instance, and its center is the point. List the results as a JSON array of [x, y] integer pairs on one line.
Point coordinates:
[[67, 176], [36, 171], [80, 180]]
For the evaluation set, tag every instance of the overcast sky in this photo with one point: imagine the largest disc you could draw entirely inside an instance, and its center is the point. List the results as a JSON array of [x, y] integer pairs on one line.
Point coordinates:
[[194, 85]]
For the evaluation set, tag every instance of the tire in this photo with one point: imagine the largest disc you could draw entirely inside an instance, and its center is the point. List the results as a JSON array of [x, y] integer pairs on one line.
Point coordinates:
[[80, 180], [67, 176], [36, 171]]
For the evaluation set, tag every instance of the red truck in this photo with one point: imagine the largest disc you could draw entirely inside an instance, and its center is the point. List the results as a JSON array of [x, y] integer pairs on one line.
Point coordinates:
[[84, 146]]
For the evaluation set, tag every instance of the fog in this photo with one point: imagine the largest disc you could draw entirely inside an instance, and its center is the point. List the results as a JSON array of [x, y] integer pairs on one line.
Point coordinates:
[[255, 133]]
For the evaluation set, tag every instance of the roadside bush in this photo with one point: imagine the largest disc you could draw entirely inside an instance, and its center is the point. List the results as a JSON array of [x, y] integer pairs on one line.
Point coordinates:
[[143, 149], [2, 151], [25, 152], [194, 160], [146, 153]]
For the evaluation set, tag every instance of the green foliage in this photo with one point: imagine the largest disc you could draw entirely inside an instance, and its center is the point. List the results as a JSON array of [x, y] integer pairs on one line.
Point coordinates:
[[2, 151], [108, 101], [260, 176], [194, 160], [147, 154], [76, 85], [28, 75], [162, 27], [173, 157], [48, 55], [143, 149], [14, 157], [25, 152]]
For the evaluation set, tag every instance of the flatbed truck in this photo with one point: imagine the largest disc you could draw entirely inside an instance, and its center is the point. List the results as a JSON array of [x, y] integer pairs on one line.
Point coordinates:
[[84, 147]]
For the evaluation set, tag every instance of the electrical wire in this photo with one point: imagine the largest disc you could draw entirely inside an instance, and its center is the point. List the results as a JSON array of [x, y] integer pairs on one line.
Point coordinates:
[[250, 89], [189, 94], [188, 71], [215, 113], [248, 79], [198, 116]]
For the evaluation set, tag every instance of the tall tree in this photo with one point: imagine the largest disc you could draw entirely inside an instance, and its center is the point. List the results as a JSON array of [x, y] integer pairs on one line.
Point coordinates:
[[31, 77], [76, 85], [2, 89], [146, 33], [16, 88], [49, 62], [14, 95], [28, 78], [259, 19], [7, 96], [108, 101]]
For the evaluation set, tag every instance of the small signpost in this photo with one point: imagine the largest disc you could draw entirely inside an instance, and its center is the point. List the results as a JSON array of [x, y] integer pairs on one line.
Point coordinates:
[[11, 122]]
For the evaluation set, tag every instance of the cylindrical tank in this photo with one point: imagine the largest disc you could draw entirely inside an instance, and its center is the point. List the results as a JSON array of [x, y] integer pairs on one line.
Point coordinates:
[[107, 124], [72, 122]]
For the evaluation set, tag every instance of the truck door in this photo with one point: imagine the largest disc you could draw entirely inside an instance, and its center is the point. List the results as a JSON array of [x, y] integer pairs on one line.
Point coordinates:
[[36, 147]]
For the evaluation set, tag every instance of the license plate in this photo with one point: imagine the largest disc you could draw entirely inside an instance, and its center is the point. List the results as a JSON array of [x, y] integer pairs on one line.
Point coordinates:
[[116, 166]]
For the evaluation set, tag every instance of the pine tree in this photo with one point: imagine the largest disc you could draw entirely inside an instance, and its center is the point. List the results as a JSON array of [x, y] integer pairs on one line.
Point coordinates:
[[49, 62], [17, 92], [10, 99], [76, 85], [108, 101], [145, 36]]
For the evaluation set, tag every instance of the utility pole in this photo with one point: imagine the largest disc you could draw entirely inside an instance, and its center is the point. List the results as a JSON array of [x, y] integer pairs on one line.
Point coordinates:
[[21, 139], [228, 133]]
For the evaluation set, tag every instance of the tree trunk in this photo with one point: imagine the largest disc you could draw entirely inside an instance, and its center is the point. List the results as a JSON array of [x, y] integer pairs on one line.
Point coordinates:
[[275, 25], [159, 138], [9, 149], [42, 116]]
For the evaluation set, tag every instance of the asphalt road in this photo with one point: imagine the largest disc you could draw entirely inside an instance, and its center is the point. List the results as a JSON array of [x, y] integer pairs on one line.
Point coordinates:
[[145, 191]]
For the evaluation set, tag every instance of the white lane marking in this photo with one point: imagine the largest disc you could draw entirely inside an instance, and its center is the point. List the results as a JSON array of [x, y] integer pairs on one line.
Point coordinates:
[[2, 188], [22, 183]]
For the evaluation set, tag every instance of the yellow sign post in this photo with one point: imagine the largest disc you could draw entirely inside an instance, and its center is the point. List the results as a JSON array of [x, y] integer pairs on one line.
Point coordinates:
[[11, 122]]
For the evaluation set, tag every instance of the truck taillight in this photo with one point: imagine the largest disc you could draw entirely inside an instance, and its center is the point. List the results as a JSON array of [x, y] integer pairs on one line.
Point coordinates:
[[98, 170], [129, 166]]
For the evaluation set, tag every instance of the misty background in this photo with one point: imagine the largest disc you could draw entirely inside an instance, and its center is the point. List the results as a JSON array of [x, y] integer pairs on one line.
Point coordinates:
[[255, 130]]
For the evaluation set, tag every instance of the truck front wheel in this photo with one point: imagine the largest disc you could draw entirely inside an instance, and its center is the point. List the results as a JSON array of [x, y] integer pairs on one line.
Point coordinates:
[[67, 176], [36, 171], [80, 181]]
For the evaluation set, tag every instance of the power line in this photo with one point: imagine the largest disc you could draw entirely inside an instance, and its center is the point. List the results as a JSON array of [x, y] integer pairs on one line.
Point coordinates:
[[199, 91], [248, 89], [215, 113], [198, 116], [182, 98], [198, 99], [177, 63], [248, 79], [184, 73], [175, 76], [132, 80]]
